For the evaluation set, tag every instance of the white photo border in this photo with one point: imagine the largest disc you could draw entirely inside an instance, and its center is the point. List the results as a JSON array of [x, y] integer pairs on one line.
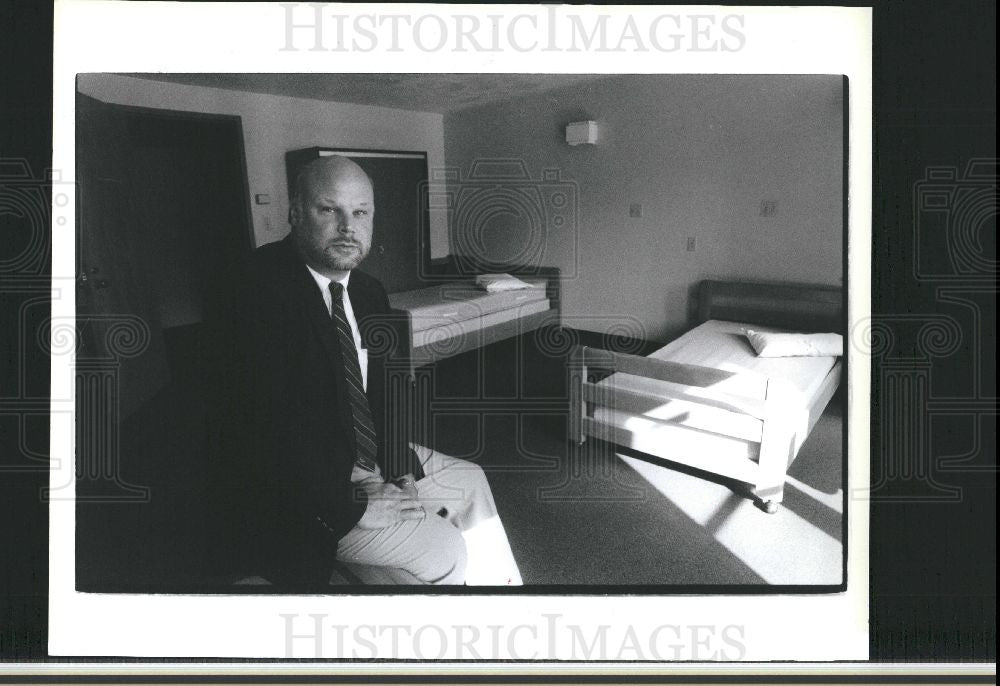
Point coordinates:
[[100, 36]]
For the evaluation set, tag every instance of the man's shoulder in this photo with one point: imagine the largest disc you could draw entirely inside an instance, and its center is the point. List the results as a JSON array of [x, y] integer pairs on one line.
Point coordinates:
[[275, 265], [273, 255], [367, 293], [363, 280]]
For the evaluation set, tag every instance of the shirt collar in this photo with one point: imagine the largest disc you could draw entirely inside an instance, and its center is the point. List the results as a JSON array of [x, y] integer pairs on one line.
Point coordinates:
[[324, 281]]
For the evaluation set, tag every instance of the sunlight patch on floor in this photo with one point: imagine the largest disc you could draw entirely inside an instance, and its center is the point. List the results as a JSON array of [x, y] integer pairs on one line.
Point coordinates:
[[696, 500], [782, 548]]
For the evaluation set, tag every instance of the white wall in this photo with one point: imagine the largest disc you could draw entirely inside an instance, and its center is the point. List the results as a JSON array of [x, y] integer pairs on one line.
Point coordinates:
[[274, 124], [700, 153]]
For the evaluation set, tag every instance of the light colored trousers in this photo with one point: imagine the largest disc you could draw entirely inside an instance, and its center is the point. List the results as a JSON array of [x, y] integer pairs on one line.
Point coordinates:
[[459, 540]]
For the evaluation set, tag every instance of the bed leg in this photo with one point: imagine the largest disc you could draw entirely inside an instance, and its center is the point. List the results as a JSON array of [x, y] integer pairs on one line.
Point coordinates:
[[769, 499], [768, 505], [776, 446]]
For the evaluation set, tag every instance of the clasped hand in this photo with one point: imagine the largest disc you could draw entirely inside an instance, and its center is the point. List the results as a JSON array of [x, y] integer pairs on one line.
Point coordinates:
[[389, 503]]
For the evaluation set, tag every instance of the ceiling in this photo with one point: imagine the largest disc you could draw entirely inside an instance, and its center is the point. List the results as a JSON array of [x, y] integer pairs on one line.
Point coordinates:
[[423, 92]]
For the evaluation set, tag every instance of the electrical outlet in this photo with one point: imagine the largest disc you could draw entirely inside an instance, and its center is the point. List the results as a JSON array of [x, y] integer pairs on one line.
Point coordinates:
[[635, 209], [768, 208], [692, 244]]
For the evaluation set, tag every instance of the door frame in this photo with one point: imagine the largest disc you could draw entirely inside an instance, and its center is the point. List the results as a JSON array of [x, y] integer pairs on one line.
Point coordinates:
[[235, 120], [231, 125]]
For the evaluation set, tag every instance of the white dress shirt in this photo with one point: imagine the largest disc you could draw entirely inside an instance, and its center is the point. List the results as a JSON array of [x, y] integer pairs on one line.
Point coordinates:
[[324, 287]]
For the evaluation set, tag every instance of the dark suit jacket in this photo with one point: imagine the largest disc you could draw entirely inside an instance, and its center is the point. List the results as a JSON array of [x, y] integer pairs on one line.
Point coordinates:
[[292, 424]]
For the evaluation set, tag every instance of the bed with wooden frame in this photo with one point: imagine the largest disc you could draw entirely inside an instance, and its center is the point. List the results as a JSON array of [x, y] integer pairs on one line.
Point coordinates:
[[706, 400], [455, 316]]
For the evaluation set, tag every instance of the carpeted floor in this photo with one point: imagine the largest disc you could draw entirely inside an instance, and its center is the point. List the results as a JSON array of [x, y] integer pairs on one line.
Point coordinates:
[[575, 516], [593, 516]]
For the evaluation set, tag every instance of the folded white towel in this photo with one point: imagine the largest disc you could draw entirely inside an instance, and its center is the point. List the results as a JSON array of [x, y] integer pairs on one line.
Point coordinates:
[[495, 283]]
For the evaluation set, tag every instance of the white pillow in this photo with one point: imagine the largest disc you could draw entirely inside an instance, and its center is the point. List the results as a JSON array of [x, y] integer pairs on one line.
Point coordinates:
[[796, 344], [494, 283]]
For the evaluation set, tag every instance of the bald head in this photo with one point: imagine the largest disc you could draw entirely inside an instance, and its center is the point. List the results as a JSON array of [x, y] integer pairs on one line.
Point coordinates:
[[324, 171], [331, 215]]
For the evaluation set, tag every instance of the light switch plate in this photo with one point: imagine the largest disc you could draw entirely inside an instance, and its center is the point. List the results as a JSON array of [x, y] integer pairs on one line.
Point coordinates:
[[635, 209]]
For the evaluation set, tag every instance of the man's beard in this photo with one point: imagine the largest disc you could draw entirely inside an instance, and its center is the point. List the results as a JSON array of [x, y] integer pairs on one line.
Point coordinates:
[[337, 261]]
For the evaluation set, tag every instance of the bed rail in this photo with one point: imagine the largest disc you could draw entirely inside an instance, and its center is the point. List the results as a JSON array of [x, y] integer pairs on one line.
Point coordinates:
[[680, 381], [685, 382], [776, 418]]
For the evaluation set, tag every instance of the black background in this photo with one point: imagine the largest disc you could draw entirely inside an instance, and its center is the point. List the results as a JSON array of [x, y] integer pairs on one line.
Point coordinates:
[[933, 565]]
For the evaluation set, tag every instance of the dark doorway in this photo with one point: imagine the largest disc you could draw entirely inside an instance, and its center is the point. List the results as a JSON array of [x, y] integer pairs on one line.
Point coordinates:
[[163, 231], [165, 193]]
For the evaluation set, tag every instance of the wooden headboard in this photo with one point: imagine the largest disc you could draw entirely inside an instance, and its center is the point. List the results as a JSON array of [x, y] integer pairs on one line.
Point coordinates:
[[797, 307]]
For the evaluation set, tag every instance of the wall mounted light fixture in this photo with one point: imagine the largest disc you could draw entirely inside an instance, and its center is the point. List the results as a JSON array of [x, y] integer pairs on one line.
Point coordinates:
[[581, 133]]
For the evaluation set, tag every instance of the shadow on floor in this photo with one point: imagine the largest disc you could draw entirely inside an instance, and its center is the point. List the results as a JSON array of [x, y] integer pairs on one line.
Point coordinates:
[[587, 517]]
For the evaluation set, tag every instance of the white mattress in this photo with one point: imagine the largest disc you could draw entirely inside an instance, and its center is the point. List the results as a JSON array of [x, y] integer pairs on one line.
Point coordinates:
[[451, 303], [689, 426], [722, 345], [440, 335]]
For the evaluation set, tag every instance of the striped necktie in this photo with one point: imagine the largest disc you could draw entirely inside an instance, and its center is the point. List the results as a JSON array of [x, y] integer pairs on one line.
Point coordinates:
[[364, 427]]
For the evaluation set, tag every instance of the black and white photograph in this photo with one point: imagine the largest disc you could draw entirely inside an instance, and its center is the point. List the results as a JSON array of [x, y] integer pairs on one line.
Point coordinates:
[[510, 342], [461, 333], [434, 341], [527, 336]]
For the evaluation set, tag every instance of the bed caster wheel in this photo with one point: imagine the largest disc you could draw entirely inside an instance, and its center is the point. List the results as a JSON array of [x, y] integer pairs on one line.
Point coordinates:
[[770, 506]]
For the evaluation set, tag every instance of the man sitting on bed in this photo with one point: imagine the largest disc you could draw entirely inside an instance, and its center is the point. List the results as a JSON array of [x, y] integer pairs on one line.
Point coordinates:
[[331, 466]]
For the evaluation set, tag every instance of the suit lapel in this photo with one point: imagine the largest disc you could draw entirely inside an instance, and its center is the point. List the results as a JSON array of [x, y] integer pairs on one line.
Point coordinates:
[[308, 298]]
